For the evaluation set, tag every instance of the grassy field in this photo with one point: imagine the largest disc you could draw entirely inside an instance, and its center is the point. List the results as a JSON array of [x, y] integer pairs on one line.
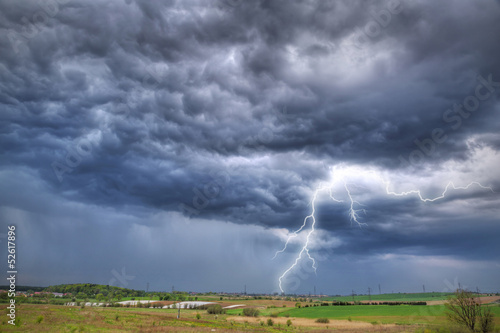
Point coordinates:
[[53, 318], [406, 314], [375, 318]]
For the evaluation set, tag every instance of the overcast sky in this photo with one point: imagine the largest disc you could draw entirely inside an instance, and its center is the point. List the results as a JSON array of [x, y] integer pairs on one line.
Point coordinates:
[[180, 143]]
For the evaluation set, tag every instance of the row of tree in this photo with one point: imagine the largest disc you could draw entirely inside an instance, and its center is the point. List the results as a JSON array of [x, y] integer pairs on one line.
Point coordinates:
[[84, 290]]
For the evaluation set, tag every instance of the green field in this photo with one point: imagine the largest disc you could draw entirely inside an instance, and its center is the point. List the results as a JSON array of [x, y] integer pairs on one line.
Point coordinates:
[[408, 314]]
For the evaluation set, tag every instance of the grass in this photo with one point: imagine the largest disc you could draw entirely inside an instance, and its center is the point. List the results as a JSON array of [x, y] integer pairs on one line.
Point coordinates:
[[405, 314], [53, 318], [262, 312], [74, 319]]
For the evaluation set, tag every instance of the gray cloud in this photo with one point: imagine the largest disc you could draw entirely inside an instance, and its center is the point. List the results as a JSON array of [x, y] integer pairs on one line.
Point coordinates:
[[233, 112]]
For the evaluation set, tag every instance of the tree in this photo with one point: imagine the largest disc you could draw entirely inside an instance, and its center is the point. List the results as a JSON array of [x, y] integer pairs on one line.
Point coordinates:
[[465, 310], [486, 323], [119, 296]]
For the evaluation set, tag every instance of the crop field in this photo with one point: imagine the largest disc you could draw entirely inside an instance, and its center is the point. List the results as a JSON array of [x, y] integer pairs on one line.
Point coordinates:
[[383, 313]]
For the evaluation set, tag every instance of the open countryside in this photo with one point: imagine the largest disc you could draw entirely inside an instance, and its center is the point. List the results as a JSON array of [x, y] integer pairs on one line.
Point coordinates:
[[210, 312]]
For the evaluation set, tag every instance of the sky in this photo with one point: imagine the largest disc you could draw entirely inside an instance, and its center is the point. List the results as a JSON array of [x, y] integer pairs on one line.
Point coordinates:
[[180, 144]]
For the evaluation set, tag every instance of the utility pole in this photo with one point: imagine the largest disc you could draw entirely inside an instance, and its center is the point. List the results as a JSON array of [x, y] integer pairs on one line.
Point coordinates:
[[147, 287], [352, 296], [178, 310], [369, 294], [379, 290], [423, 286]]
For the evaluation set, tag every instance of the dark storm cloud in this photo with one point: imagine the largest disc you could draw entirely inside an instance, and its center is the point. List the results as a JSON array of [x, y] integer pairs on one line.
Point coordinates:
[[235, 110]]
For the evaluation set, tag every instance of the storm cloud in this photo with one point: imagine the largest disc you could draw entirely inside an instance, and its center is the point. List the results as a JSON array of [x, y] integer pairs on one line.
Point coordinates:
[[185, 138]]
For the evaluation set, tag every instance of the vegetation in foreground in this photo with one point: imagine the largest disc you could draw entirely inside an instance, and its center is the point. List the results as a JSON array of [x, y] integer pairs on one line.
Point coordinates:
[[53, 318], [461, 313]]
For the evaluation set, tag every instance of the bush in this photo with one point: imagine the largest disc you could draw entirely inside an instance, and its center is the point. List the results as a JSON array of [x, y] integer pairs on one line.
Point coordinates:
[[323, 320], [274, 314], [270, 322], [215, 309], [198, 316], [288, 322], [39, 319], [250, 312]]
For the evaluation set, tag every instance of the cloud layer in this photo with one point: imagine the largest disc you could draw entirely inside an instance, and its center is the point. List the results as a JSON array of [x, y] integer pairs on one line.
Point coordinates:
[[209, 125]]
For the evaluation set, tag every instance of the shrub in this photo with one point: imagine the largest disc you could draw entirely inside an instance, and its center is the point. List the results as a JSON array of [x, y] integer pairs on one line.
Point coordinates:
[[288, 322], [270, 322], [323, 320], [39, 319], [198, 316], [215, 309], [250, 312], [274, 315]]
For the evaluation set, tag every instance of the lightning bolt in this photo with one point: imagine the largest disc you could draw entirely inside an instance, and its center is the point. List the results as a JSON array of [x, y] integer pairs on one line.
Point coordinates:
[[450, 184], [353, 212]]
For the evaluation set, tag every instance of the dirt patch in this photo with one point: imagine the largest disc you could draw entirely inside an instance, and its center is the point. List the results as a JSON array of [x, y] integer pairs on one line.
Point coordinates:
[[306, 322]]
